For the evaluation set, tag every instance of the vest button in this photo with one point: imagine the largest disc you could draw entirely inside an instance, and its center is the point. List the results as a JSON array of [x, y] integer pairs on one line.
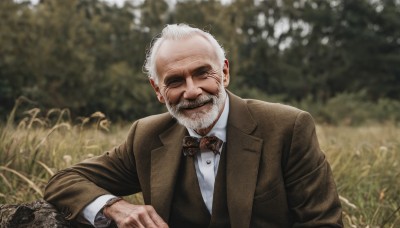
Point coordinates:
[[208, 162]]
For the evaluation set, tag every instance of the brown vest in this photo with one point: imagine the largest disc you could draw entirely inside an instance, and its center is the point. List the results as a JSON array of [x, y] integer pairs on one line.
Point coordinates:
[[188, 208]]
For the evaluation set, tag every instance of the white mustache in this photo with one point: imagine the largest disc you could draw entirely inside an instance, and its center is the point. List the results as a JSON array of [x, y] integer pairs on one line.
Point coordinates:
[[196, 103]]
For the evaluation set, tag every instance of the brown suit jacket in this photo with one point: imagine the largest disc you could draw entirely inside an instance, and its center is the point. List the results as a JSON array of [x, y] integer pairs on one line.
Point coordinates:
[[276, 174]]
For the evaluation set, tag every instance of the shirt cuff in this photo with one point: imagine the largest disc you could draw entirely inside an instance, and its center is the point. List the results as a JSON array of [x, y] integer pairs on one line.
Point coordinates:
[[93, 214]]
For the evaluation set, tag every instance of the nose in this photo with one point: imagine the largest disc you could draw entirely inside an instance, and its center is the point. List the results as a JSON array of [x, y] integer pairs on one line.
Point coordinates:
[[192, 91]]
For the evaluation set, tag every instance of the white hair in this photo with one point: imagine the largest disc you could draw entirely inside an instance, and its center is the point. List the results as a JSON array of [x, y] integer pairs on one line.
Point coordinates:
[[177, 32]]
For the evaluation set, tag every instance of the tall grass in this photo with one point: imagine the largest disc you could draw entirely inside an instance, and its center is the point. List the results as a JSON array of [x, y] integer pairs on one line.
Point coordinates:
[[366, 164], [365, 160], [39, 144]]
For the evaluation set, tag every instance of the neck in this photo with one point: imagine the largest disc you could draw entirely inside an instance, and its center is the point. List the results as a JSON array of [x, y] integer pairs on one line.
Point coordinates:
[[205, 131]]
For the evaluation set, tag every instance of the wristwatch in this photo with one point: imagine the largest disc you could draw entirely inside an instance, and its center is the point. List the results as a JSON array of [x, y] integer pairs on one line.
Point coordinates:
[[101, 220], [111, 201]]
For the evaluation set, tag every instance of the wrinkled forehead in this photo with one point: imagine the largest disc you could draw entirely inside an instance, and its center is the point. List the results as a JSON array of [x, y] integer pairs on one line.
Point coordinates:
[[177, 49]]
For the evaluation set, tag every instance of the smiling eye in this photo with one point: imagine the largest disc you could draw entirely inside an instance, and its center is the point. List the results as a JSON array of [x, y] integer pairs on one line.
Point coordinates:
[[173, 82], [202, 72]]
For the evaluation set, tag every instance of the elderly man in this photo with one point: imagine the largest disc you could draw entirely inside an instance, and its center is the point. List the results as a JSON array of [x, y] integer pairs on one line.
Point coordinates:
[[214, 160]]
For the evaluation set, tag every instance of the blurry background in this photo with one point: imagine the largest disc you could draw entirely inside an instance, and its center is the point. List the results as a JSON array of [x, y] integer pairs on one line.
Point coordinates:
[[71, 77], [338, 59]]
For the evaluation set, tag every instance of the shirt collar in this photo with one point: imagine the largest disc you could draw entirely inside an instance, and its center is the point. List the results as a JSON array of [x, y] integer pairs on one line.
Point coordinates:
[[219, 128]]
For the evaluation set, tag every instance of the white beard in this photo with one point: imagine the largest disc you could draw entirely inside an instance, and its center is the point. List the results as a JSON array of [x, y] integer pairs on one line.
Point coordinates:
[[199, 120]]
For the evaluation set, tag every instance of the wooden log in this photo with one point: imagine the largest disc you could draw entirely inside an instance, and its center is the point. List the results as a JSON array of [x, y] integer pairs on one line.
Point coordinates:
[[35, 214]]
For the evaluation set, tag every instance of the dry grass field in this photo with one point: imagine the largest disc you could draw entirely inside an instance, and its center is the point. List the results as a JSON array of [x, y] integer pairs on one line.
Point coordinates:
[[365, 160]]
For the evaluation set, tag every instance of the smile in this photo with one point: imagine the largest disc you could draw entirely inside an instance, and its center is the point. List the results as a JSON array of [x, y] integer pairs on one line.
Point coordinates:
[[194, 105]]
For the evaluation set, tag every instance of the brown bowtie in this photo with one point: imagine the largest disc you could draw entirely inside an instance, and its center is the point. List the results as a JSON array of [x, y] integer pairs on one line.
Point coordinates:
[[193, 145]]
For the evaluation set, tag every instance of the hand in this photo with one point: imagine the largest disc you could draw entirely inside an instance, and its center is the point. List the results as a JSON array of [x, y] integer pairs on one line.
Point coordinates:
[[125, 215]]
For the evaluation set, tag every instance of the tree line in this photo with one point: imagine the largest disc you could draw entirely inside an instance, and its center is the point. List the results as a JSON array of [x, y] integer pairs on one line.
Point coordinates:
[[87, 55]]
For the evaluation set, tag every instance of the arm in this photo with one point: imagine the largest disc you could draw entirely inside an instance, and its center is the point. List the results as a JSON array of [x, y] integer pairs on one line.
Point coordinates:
[[114, 172], [127, 215], [123, 213], [73, 189], [93, 214], [311, 191]]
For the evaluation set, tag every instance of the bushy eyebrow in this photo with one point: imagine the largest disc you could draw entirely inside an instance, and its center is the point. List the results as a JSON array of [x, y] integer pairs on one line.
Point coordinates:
[[201, 69], [171, 78], [196, 71]]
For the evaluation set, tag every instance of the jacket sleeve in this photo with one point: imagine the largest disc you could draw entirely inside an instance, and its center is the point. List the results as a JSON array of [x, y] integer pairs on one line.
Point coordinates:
[[113, 172], [311, 191]]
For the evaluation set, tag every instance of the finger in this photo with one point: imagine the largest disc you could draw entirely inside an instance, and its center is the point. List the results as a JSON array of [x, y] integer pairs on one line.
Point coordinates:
[[156, 218], [146, 220], [132, 220]]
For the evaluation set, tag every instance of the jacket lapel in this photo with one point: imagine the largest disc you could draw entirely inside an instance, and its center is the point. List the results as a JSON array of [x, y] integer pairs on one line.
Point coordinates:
[[165, 163], [243, 157]]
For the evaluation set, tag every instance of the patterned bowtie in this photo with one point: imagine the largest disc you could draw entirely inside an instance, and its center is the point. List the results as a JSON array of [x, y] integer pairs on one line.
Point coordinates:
[[193, 145]]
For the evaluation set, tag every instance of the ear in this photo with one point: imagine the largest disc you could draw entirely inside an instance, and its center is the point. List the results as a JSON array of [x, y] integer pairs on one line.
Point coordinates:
[[225, 71], [157, 90]]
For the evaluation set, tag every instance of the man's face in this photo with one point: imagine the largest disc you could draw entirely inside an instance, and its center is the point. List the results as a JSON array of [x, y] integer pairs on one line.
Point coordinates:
[[191, 81]]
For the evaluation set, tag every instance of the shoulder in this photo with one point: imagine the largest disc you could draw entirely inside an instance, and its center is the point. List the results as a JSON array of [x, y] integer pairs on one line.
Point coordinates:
[[263, 108], [154, 124], [150, 127], [159, 120], [267, 116], [276, 115]]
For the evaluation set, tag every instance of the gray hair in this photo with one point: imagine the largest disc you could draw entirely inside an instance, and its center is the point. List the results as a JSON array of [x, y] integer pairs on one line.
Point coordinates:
[[177, 32]]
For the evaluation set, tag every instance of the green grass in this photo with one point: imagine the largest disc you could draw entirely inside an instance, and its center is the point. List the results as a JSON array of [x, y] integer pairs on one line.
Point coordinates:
[[365, 160]]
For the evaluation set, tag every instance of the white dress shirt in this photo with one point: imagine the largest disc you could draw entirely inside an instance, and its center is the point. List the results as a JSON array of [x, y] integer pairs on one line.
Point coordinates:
[[206, 164]]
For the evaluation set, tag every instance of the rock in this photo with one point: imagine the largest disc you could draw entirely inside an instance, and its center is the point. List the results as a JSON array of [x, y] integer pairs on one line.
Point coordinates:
[[35, 214]]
